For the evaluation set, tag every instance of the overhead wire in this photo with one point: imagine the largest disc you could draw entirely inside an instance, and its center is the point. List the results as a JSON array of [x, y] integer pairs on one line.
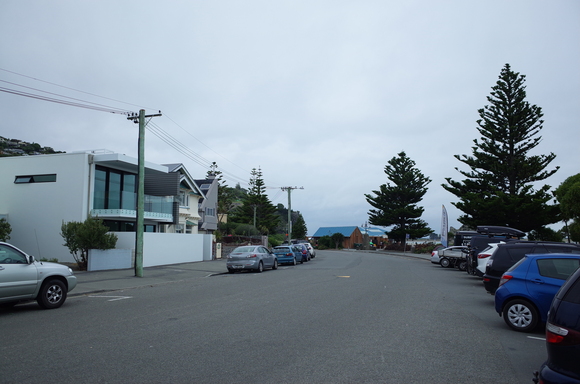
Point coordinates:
[[152, 127]]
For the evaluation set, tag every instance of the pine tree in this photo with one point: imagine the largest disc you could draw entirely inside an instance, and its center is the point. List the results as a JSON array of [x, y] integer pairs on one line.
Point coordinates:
[[257, 204], [498, 187], [299, 229], [397, 204]]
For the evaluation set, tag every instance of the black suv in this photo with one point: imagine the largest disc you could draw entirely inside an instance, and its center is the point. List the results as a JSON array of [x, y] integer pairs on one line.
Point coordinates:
[[563, 335], [510, 253], [485, 235]]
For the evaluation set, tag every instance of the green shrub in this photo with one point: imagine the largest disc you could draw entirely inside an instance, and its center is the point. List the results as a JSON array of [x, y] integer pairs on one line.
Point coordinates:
[[90, 234]]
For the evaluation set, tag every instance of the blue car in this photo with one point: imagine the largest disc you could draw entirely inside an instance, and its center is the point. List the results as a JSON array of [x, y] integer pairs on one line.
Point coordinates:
[[287, 254], [527, 289]]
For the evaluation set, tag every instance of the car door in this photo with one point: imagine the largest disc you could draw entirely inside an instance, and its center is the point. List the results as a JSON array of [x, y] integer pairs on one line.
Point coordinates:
[[267, 257], [18, 278], [548, 276]]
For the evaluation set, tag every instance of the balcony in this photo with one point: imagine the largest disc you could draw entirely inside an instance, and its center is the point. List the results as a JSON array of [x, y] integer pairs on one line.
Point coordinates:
[[157, 208]]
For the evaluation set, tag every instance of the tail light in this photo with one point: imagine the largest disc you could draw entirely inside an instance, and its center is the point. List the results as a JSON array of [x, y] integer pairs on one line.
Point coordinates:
[[252, 255], [483, 255], [504, 279], [289, 254], [556, 334]]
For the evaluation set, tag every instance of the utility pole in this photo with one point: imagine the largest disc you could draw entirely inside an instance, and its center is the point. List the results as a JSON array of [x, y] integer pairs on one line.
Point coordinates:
[[140, 190], [289, 189]]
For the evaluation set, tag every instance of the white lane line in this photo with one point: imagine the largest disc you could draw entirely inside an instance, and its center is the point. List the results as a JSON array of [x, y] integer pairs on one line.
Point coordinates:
[[536, 338], [114, 298]]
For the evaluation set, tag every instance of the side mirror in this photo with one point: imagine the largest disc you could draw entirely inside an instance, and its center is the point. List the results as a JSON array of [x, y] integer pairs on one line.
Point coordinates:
[[30, 259]]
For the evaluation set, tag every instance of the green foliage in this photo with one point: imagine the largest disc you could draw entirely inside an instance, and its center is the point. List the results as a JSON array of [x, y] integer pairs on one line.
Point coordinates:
[[299, 229], [90, 234], [424, 247], [498, 189], [246, 230], [325, 242], [276, 240], [568, 195], [545, 234], [397, 204], [574, 231], [256, 206], [337, 239], [5, 230], [53, 260]]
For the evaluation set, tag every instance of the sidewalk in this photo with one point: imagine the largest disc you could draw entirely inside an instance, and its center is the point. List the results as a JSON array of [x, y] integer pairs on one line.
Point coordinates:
[[119, 279]]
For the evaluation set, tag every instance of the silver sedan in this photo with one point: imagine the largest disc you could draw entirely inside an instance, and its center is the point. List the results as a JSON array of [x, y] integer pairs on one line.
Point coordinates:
[[253, 257]]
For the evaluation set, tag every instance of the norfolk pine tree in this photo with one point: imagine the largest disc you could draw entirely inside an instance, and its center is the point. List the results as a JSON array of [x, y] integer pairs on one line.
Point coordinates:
[[397, 204], [498, 187]]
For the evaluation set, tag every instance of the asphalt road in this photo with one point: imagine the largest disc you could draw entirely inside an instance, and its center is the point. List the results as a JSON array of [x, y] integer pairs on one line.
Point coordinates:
[[344, 317]]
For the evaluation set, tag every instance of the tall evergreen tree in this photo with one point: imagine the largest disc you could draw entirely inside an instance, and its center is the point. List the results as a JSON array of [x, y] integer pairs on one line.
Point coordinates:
[[225, 194], [257, 204], [299, 229], [397, 204], [498, 187]]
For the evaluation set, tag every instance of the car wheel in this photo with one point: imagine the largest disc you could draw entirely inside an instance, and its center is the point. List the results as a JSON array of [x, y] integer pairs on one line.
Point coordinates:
[[230, 270], [260, 267], [294, 261], [462, 265], [444, 262], [275, 266], [52, 294], [520, 315]]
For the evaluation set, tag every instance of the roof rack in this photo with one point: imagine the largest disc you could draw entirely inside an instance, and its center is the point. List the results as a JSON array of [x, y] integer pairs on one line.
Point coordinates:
[[492, 230]]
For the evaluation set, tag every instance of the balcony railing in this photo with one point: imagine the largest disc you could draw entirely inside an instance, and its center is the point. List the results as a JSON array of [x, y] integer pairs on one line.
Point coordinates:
[[157, 208]]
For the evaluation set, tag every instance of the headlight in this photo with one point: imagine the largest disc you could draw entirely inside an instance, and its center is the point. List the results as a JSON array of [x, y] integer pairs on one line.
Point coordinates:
[[70, 271]]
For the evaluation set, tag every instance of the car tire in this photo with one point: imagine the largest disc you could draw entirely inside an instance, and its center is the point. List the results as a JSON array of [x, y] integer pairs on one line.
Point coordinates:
[[260, 267], [520, 315], [275, 266], [52, 294], [230, 270], [294, 261], [462, 265], [444, 262]]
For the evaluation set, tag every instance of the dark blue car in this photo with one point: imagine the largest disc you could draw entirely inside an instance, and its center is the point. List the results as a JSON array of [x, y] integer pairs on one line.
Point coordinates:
[[563, 335], [527, 289]]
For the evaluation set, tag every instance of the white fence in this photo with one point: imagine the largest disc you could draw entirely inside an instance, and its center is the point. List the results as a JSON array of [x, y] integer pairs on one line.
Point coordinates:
[[169, 248]]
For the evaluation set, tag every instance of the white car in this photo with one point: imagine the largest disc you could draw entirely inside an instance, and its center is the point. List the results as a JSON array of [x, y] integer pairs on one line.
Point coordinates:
[[453, 257], [483, 258], [22, 278], [435, 254]]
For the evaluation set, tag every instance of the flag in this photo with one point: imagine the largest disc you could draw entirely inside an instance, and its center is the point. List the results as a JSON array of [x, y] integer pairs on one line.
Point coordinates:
[[444, 224]]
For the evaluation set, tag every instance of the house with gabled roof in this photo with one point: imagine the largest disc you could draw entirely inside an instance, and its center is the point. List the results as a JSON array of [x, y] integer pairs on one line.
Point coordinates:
[[208, 205], [353, 235], [188, 198]]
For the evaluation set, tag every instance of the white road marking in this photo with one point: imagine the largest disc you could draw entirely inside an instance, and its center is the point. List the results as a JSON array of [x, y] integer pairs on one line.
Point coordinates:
[[536, 338], [114, 298]]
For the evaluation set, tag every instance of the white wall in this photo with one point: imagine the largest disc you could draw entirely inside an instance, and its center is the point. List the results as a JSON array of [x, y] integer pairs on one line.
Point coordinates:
[[36, 211], [168, 248]]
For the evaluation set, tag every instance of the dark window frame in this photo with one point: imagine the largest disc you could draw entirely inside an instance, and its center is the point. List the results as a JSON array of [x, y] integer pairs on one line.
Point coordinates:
[[30, 179]]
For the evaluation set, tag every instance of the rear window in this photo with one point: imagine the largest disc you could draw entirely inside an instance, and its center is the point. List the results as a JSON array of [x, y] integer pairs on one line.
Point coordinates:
[[557, 268], [281, 248], [243, 249]]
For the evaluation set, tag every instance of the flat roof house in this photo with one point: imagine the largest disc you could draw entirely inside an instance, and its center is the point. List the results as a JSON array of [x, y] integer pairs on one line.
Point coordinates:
[[39, 193]]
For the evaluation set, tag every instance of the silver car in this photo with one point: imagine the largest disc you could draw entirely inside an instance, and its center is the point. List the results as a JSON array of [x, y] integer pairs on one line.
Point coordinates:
[[254, 257], [22, 278]]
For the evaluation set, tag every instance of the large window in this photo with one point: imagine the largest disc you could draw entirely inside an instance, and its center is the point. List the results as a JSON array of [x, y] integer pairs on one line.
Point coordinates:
[[114, 189]]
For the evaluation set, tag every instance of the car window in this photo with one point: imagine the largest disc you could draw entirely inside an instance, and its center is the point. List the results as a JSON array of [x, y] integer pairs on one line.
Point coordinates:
[[572, 295], [557, 268], [556, 249], [11, 256], [244, 249], [516, 253]]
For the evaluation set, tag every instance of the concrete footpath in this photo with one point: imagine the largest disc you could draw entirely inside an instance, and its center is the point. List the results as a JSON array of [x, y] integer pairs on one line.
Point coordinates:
[[119, 279]]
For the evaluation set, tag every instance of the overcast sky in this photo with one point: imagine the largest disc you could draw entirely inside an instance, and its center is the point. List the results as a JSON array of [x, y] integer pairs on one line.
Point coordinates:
[[319, 94]]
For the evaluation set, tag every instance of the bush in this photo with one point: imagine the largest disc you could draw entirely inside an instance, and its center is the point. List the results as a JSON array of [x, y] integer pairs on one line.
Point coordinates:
[[5, 230], [90, 234], [424, 248]]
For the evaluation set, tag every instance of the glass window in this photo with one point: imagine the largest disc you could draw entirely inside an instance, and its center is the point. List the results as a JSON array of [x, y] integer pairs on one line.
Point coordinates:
[[129, 196], [100, 189], [10, 255], [557, 268], [35, 179]]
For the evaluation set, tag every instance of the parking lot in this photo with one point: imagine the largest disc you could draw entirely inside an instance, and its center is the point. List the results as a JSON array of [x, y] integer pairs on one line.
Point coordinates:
[[343, 317]]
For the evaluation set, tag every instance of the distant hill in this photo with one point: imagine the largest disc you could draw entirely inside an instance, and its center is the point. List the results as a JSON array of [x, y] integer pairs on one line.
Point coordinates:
[[15, 147]]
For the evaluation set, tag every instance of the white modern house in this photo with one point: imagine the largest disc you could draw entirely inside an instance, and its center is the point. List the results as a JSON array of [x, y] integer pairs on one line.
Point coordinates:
[[39, 193]]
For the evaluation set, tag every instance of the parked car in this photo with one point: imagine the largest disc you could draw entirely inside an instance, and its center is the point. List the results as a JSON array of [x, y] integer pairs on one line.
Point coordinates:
[[527, 289], [304, 251], [253, 257], [483, 258], [287, 254], [508, 254], [485, 236], [563, 335], [435, 254], [311, 249], [22, 278], [453, 257]]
